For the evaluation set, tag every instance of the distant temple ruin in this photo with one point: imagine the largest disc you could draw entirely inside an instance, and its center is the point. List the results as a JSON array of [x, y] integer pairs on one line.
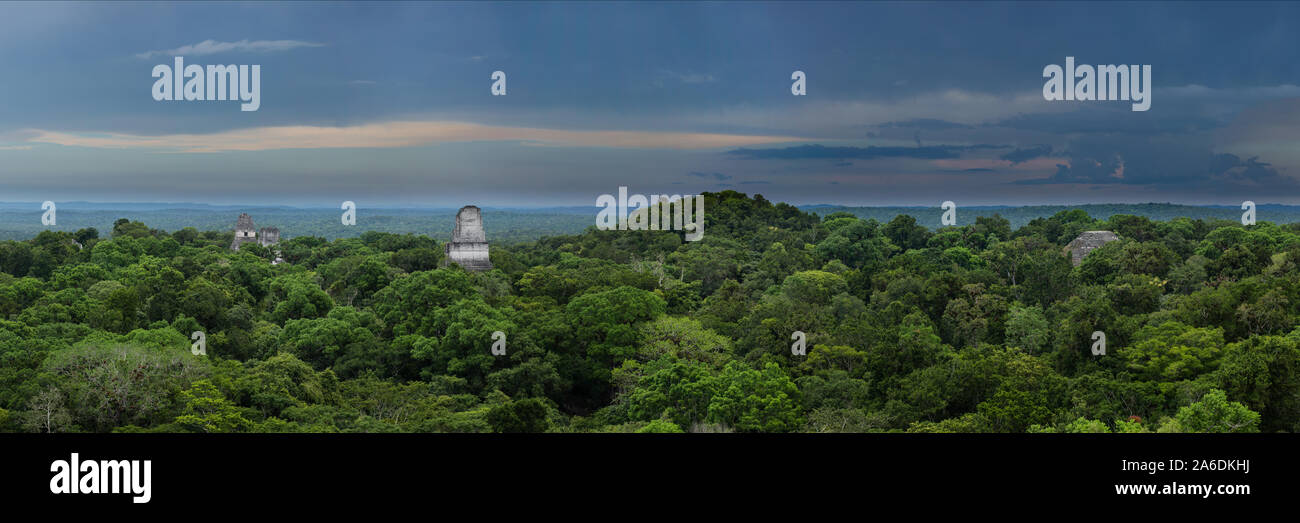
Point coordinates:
[[468, 246], [268, 236], [1086, 242], [246, 232]]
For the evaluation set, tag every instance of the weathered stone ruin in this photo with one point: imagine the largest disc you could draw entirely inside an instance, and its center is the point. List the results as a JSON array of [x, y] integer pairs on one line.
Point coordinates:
[[247, 232], [468, 246], [268, 236], [1086, 242]]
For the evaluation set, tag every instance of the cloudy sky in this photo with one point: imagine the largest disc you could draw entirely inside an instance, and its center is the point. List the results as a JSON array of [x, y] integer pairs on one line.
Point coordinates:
[[907, 104]]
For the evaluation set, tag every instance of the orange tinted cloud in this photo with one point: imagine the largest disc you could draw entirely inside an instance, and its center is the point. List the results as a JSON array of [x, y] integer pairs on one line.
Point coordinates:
[[396, 134]]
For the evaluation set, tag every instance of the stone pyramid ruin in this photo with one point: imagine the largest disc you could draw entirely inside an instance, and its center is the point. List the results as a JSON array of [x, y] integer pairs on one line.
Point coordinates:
[[1086, 242], [468, 246]]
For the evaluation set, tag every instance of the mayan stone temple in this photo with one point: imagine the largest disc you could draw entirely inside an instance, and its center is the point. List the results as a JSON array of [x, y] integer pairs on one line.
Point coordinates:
[[468, 246], [246, 232], [1086, 242]]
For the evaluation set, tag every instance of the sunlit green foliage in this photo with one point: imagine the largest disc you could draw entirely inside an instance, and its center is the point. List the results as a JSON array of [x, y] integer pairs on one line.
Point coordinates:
[[981, 327]]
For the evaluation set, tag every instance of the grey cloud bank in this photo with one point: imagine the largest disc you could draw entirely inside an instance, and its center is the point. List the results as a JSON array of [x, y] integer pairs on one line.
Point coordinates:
[[892, 113]]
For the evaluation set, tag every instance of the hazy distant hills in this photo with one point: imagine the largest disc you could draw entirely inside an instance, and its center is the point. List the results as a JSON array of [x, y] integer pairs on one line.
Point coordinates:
[[511, 225], [23, 221], [1020, 215]]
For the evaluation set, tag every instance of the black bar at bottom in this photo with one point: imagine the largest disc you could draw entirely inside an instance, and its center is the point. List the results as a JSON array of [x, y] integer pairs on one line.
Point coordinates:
[[544, 472]]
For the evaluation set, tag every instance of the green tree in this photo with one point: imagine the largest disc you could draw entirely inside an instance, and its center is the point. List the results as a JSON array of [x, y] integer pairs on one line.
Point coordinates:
[[1173, 351], [1027, 328], [207, 410], [753, 400], [526, 415], [1214, 413]]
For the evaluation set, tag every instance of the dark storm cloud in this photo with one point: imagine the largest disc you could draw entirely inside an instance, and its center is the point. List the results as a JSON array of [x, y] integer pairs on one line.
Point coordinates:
[[715, 176], [1021, 155], [1251, 170], [1082, 170], [817, 151], [925, 124], [1175, 162]]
